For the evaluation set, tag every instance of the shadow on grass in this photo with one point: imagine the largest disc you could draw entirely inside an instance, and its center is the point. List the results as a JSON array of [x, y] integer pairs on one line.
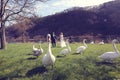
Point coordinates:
[[37, 70], [30, 54], [10, 77], [4, 78], [105, 63], [58, 56], [76, 54], [31, 58]]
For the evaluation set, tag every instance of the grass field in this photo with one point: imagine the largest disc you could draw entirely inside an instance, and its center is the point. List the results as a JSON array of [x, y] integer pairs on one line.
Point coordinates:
[[18, 63]]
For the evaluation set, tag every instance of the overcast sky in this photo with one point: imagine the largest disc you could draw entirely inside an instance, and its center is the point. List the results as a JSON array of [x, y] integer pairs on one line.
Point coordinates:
[[54, 6]]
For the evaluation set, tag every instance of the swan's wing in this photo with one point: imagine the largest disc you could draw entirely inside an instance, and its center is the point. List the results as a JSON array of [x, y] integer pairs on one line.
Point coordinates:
[[53, 58], [37, 53], [109, 55], [64, 51], [81, 48], [47, 60]]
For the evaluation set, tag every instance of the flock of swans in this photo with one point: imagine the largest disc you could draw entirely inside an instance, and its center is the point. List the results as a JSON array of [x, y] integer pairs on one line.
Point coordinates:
[[49, 59]]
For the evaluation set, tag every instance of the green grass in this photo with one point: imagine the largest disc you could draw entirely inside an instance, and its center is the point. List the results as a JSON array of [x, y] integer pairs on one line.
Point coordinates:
[[17, 63]]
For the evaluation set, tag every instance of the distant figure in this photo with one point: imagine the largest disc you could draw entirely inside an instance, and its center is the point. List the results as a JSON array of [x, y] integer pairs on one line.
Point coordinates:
[[53, 39], [92, 42], [102, 42], [48, 37], [70, 39], [62, 42]]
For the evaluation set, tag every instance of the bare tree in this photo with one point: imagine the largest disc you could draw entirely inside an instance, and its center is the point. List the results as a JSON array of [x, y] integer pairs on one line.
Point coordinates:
[[23, 26], [9, 10]]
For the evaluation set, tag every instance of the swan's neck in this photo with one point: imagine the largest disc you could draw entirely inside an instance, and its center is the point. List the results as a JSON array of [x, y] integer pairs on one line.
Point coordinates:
[[49, 49], [40, 45], [115, 48], [85, 44], [34, 47], [68, 47]]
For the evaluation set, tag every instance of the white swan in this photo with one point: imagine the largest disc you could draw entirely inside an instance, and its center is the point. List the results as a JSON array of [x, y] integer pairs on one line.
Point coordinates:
[[102, 42], [92, 42], [109, 56], [66, 50], [36, 51], [48, 59], [80, 49]]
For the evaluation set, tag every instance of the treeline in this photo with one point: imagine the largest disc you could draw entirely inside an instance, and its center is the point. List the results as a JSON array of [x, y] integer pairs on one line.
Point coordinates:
[[101, 21]]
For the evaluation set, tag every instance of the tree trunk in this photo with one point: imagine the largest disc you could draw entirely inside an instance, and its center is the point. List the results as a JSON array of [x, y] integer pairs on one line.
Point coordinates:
[[0, 41], [3, 37]]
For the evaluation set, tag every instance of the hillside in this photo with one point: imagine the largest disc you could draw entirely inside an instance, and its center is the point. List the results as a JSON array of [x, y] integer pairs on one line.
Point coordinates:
[[78, 21], [103, 20]]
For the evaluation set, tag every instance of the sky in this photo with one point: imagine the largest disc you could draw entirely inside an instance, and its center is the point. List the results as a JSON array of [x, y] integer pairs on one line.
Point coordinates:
[[55, 6]]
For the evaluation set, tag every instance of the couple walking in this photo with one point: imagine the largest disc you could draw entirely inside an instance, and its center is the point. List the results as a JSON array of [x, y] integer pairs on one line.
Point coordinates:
[[53, 40]]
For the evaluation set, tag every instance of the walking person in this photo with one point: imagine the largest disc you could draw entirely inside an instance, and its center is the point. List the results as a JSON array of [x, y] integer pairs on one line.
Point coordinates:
[[53, 39], [62, 42]]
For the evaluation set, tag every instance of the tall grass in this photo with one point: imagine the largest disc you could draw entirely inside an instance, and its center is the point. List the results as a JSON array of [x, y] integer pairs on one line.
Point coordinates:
[[18, 63]]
